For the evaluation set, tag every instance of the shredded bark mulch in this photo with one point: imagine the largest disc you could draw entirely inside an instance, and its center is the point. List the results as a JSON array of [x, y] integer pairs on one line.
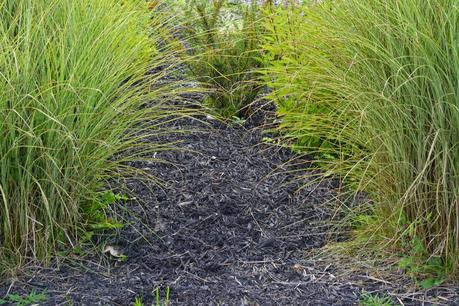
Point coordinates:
[[229, 226]]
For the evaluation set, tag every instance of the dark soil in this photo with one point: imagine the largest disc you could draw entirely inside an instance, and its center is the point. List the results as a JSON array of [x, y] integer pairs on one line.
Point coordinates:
[[229, 227]]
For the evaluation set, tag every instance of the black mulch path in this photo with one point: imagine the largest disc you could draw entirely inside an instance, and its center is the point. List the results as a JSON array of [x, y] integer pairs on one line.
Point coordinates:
[[228, 229]]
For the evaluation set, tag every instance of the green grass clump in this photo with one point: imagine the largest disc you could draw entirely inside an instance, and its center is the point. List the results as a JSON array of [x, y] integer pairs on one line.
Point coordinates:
[[224, 49], [72, 88], [367, 299], [374, 85]]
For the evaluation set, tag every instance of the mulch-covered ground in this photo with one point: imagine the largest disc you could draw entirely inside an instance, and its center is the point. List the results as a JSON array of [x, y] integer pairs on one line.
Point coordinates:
[[229, 226]]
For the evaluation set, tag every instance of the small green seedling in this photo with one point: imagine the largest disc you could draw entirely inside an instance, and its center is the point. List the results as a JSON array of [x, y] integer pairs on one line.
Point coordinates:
[[137, 302], [167, 299], [238, 120], [158, 302], [367, 299], [32, 298]]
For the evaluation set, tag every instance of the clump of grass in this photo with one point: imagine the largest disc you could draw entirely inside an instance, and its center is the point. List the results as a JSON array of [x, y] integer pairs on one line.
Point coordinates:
[[377, 82], [73, 87], [224, 38], [367, 299]]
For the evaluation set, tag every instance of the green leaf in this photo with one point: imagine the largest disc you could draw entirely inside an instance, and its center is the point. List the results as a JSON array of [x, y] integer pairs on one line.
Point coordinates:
[[405, 262], [431, 282]]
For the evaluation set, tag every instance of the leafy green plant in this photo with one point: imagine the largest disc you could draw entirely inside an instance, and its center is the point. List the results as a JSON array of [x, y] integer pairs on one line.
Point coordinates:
[[373, 84], [73, 90], [367, 299], [32, 298], [96, 211], [287, 74], [426, 274], [224, 38]]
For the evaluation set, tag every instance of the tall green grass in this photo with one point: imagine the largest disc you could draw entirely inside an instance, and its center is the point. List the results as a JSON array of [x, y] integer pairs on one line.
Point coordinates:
[[73, 86], [374, 85]]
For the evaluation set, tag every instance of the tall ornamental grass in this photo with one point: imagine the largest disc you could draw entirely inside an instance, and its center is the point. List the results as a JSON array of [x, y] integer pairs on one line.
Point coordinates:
[[73, 85], [373, 86]]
